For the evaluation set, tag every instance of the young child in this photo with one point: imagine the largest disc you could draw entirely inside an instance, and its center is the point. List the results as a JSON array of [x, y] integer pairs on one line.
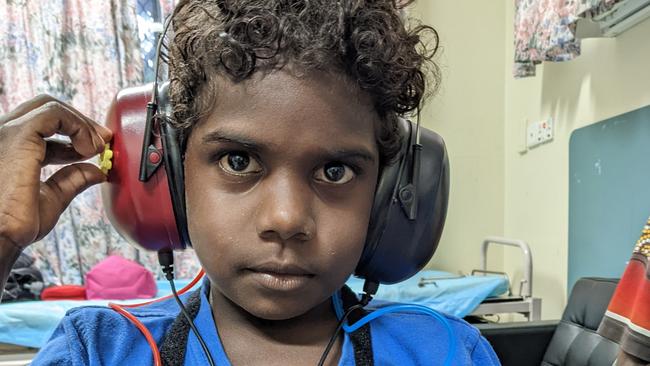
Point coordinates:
[[288, 112]]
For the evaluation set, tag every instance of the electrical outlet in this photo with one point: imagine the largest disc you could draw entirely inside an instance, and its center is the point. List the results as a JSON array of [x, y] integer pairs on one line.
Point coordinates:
[[539, 132]]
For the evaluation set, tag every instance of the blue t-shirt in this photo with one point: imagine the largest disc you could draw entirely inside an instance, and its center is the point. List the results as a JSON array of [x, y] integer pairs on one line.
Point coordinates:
[[95, 335]]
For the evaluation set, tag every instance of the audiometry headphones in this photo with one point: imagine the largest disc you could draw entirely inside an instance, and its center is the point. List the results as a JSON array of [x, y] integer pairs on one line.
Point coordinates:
[[146, 202], [145, 197]]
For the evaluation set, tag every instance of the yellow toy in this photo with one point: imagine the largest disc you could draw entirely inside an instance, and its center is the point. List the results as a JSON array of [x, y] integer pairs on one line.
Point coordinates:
[[105, 163]]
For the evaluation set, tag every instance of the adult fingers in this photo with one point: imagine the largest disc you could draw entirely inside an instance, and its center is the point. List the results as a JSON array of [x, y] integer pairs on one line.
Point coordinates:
[[34, 103], [60, 152], [44, 99], [26, 107], [54, 117], [64, 185]]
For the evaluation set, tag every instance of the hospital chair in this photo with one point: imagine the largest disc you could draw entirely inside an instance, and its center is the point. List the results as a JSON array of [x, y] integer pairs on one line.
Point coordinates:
[[571, 341]]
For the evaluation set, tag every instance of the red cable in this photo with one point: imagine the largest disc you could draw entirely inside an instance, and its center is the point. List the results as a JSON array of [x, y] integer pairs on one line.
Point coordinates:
[[152, 342], [180, 292]]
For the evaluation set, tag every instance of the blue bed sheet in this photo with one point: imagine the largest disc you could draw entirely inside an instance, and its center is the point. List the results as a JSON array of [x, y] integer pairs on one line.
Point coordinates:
[[451, 294], [31, 323]]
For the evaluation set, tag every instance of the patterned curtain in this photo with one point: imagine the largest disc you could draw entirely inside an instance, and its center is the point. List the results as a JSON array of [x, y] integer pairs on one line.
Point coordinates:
[[81, 52], [545, 30]]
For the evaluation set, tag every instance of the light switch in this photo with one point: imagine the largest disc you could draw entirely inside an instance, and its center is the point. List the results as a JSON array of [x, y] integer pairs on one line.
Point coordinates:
[[539, 132]]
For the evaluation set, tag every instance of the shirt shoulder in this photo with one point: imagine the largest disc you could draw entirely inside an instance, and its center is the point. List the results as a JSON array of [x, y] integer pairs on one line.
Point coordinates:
[[410, 337], [627, 319], [97, 335]]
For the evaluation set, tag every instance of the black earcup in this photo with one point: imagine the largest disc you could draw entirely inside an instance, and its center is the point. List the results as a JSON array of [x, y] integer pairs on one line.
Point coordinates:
[[398, 246]]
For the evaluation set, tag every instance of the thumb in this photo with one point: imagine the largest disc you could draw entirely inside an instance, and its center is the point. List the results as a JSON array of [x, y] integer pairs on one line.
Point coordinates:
[[64, 185]]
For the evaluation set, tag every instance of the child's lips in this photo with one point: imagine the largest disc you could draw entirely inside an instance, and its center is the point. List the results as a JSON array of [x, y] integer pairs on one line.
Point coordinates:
[[279, 276], [281, 268]]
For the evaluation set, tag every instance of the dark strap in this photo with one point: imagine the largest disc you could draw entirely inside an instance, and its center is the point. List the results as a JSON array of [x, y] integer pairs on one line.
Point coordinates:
[[174, 344], [361, 340]]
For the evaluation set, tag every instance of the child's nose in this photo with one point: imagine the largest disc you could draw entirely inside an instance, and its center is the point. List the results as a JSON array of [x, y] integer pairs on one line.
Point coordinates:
[[285, 211]]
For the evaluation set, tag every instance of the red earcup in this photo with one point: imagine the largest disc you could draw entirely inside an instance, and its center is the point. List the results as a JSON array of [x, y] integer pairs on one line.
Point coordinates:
[[140, 211]]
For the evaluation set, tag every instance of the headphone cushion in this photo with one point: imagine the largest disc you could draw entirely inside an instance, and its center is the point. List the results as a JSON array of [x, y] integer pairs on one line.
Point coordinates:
[[396, 246]]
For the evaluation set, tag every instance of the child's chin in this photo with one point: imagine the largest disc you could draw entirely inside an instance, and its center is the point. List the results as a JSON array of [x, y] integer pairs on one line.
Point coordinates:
[[278, 311]]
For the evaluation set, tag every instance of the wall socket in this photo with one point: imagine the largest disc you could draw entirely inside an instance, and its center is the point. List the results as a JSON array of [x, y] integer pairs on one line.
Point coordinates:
[[539, 132]]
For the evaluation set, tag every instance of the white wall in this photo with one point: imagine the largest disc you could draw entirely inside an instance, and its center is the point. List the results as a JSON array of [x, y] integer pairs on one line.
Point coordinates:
[[469, 114], [612, 76], [481, 112]]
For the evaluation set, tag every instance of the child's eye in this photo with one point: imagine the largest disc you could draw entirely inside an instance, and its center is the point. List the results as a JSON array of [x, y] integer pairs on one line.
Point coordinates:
[[239, 163], [335, 173]]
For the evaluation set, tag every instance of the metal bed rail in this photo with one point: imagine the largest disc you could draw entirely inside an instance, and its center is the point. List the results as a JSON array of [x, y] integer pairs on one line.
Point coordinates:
[[524, 303]]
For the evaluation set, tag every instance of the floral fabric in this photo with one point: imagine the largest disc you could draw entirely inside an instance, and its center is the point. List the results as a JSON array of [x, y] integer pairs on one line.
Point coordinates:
[[545, 30], [81, 52]]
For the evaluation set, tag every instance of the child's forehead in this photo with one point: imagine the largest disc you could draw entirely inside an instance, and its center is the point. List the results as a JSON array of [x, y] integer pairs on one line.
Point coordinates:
[[290, 86], [284, 94], [280, 107]]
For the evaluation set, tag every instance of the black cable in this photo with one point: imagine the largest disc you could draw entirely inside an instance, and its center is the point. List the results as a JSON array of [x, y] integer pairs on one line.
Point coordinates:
[[166, 259], [159, 46], [336, 332]]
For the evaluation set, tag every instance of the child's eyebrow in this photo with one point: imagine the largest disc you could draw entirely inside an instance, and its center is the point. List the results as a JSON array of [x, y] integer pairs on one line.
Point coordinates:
[[359, 153], [220, 137]]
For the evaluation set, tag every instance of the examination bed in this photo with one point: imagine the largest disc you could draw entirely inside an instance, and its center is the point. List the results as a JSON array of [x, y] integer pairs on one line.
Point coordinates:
[[523, 303]]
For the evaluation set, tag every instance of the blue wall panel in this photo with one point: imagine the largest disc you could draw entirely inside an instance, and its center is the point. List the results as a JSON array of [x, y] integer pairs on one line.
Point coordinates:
[[609, 193]]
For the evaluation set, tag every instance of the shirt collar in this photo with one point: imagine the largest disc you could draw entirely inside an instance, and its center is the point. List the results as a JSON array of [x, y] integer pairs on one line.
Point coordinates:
[[207, 328]]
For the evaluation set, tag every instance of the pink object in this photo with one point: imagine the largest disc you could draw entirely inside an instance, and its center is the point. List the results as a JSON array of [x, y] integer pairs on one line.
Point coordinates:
[[116, 278]]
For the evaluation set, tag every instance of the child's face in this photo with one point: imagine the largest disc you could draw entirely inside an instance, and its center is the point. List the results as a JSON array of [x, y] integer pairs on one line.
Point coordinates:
[[280, 179]]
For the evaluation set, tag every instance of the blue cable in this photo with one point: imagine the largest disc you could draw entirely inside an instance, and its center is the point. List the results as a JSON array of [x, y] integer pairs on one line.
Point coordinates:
[[338, 309]]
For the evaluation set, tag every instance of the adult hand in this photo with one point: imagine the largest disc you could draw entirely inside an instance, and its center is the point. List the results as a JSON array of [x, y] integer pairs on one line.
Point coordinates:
[[29, 208]]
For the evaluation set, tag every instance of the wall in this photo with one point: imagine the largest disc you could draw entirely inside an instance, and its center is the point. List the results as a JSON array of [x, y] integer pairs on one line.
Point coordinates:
[[609, 78], [481, 112], [469, 113]]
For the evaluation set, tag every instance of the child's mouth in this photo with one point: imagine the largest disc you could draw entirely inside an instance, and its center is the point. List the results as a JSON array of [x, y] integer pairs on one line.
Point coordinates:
[[280, 277]]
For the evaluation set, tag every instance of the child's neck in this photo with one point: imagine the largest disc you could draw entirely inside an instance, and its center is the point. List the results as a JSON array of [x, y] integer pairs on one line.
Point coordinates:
[[250, 340]]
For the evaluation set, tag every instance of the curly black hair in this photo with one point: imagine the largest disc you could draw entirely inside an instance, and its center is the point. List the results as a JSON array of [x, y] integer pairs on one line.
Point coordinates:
[[366, 40]]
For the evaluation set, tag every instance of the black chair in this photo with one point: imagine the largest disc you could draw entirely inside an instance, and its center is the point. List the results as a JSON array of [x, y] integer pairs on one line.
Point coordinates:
[[572, 341]]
